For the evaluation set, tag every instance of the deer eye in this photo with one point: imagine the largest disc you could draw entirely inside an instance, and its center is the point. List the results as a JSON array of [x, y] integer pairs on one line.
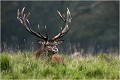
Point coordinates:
[[48, 46]]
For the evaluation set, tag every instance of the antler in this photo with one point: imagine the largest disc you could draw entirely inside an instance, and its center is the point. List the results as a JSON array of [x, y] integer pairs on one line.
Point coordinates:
[[23, 18], [67, 21]]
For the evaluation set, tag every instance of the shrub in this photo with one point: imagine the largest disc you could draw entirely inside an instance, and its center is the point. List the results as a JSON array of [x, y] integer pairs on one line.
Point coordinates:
[[5, 63]]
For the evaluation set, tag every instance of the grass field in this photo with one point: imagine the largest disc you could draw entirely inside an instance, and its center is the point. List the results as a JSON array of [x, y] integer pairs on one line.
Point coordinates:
[[22, 65]]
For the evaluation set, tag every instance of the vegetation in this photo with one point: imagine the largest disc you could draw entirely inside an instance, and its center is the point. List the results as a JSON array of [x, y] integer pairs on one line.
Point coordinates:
[[21, 65]]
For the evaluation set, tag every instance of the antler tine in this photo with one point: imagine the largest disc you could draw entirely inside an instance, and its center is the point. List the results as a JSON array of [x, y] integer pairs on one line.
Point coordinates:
[[23, 19], [27, 15], [22, 11], [62, 17], [18, 16], [68, 16], [46, 32], [67, 21]]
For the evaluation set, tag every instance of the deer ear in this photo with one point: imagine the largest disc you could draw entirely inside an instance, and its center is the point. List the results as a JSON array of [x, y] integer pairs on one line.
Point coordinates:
[[39, 41], [60, 41]]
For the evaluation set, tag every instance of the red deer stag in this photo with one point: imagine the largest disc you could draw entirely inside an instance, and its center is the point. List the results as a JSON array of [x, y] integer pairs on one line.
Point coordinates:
[[48, 46]]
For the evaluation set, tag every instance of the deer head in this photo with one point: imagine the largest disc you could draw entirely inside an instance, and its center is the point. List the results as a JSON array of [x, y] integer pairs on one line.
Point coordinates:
[[48, 46]]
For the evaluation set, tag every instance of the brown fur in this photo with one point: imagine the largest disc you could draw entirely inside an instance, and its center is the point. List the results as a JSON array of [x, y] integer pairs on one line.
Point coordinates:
[[40, 51], [57, 59]]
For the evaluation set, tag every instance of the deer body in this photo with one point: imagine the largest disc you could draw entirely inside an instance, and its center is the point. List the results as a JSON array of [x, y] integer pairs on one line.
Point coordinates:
[[40, 51], [48, 46]]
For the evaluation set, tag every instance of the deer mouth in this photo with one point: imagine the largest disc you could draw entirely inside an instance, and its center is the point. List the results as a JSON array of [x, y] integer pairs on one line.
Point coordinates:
[[53, 50]]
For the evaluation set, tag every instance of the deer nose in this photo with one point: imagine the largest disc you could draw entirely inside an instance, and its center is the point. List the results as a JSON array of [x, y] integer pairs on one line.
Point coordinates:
[[55, 49]]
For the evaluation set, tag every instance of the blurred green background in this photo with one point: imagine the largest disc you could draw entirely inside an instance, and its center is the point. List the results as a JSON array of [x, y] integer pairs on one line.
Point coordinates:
[[94, 24]]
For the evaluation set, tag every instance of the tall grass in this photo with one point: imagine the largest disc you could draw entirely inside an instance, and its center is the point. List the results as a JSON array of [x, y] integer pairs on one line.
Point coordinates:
[[22, 65]]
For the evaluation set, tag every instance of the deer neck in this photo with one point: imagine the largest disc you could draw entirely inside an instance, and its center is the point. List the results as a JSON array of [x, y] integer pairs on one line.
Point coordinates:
[[40, 51], [43, 51]]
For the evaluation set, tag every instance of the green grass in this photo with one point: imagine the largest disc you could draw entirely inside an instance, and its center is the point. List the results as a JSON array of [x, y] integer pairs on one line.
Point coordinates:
[[22, 65]]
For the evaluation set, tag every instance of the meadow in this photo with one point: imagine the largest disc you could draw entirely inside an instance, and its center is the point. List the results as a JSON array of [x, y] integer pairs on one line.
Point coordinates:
[[21, 65]]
